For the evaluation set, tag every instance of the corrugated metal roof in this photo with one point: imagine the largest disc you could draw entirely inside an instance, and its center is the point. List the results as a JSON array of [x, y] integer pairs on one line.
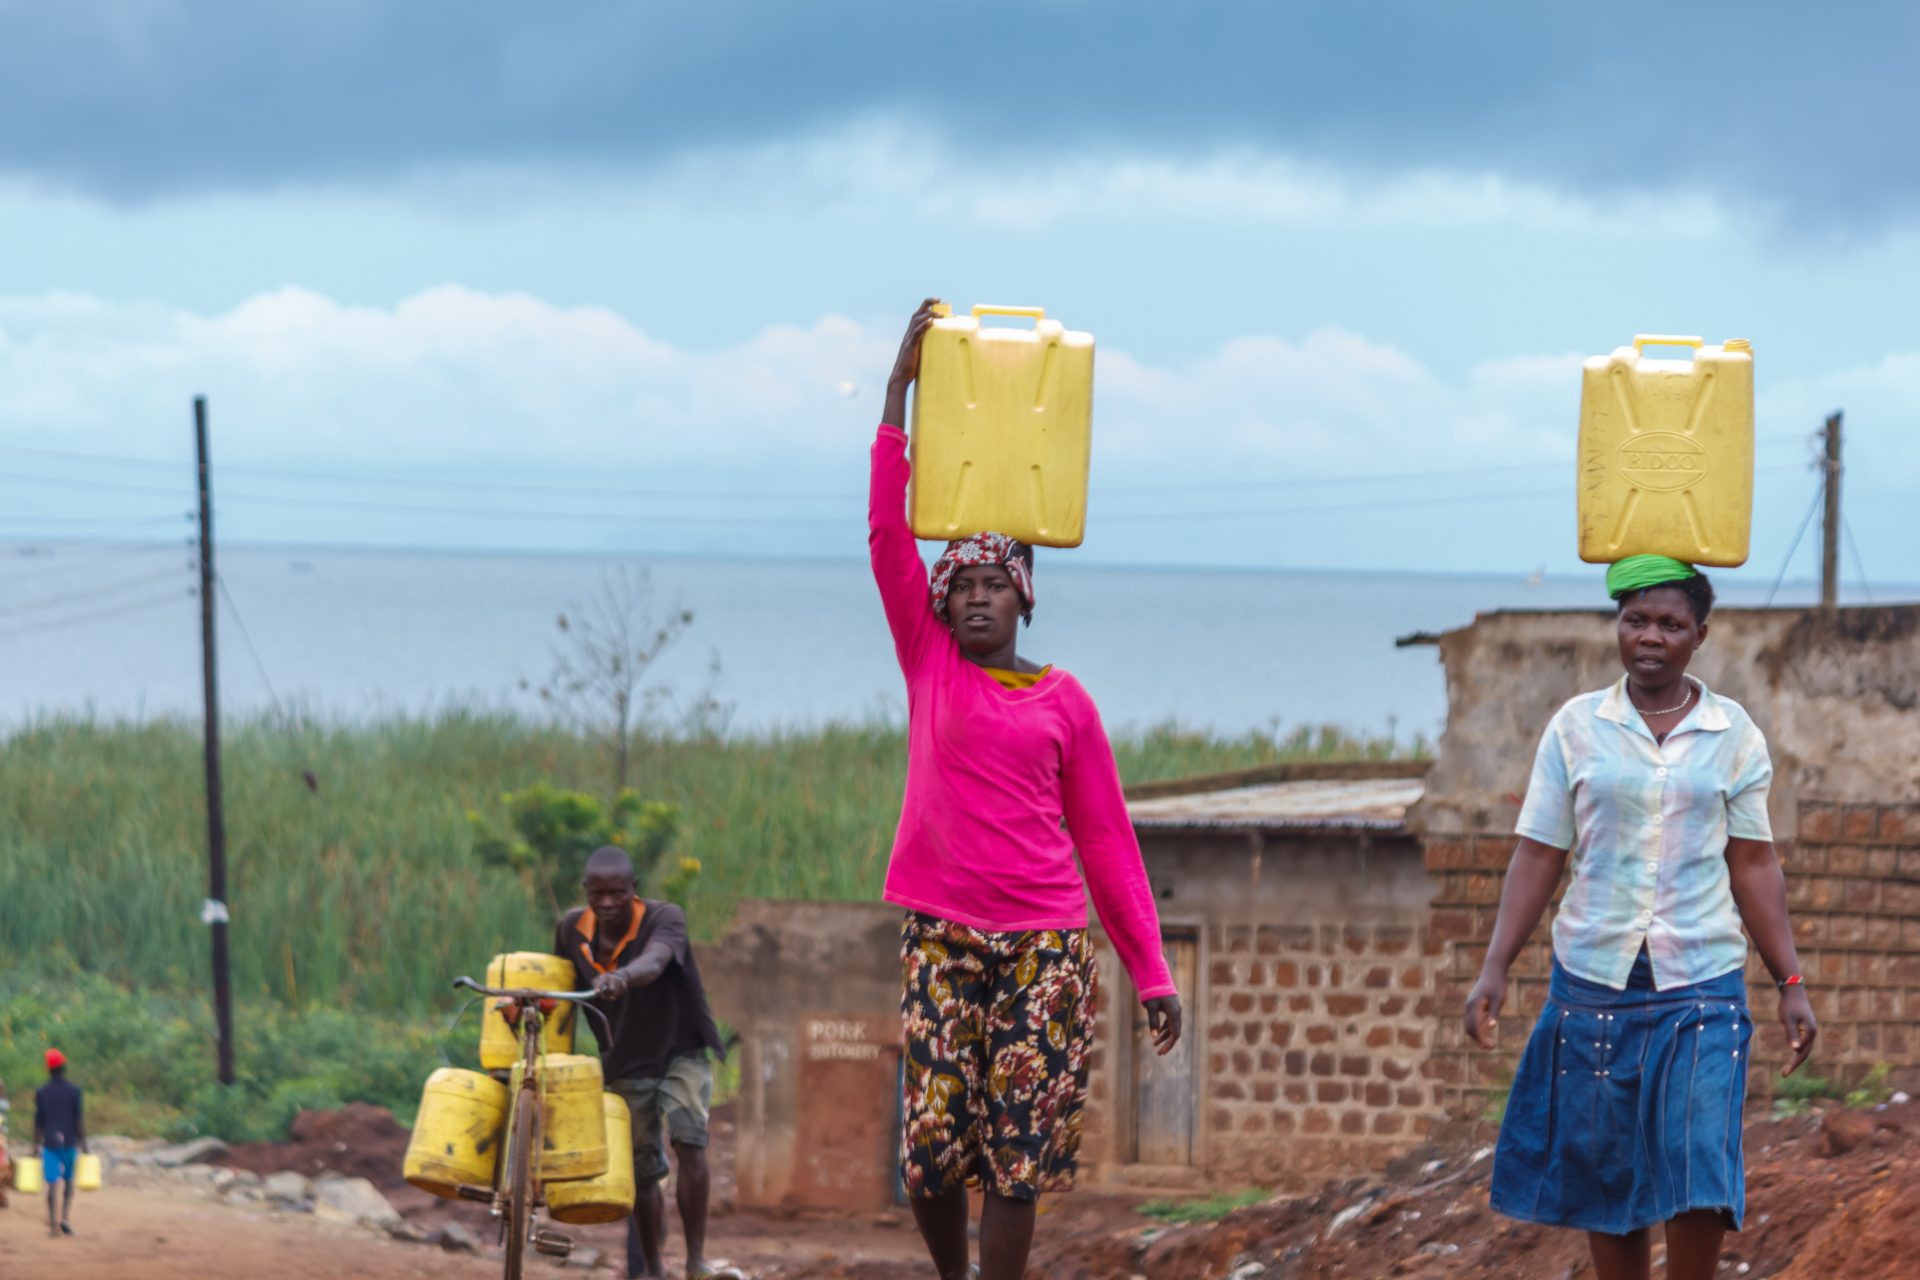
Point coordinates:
[[1377, 804]]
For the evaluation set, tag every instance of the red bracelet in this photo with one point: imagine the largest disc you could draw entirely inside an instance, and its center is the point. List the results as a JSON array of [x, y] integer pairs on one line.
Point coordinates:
[[1794, 981]]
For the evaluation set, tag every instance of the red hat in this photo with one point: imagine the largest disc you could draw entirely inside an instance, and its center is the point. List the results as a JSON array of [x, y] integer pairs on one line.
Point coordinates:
[[55, 1059]]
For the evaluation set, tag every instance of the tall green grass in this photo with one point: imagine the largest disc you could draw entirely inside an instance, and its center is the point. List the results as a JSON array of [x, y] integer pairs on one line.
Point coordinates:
[[366, 892]]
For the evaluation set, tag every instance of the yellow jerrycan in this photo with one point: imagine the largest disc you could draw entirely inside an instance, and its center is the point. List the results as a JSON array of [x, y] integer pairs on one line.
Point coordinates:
[[609, 1197], [1002, 429], [499, 1042], [1666, 453], [86, 1172], [457, 1135], [573, 1125], [29, 1178]]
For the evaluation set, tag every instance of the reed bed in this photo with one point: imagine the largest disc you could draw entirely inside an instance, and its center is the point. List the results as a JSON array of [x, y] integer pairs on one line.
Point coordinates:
[[362, 890]]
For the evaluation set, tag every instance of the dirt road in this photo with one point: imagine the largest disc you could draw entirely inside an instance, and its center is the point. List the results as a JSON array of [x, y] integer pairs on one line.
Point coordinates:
[[167, 1234], [126, 1234], [1832, 1196]]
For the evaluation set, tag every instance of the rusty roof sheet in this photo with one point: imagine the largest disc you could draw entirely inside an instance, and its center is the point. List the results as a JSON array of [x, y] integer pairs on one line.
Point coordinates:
[[1378, 804]]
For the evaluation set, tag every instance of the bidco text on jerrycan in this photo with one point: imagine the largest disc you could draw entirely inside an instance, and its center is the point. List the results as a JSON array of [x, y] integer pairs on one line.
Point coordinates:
[[1666, 453], [1002, 429]]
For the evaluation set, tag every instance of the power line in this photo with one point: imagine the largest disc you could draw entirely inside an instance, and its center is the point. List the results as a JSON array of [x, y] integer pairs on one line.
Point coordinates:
[[1307, 482], [1435, 500], [848, 517], [81, 619], [91, 557], [1370, 504], [273, 695], [117, 522], [1858, 564], [104, 591], [1819, 493], [68, 482], [411, 480]]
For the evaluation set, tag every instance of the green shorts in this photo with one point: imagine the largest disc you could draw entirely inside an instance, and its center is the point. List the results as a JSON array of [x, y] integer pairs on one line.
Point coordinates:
[[678, 1102]]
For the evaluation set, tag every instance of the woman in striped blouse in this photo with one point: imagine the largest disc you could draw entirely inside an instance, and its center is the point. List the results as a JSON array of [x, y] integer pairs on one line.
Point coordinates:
[[1625, 1110]]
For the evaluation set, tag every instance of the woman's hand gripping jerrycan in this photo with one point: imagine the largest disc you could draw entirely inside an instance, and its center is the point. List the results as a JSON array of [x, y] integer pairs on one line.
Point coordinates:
[[1666, 454], [1002, 429]]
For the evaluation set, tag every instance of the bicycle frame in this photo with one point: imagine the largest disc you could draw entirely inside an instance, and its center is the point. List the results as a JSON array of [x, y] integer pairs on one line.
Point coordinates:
[[517, 1192]]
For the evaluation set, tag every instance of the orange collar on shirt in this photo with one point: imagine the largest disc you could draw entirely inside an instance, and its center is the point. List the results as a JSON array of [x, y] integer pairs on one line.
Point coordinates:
[[586, 925]]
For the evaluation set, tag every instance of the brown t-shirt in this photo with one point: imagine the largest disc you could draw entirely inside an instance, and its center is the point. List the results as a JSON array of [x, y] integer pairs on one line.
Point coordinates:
[[653, 1024]]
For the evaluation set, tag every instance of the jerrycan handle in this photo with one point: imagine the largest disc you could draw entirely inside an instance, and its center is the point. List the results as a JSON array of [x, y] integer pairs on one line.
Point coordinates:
[[1031, 313], [1644, 340]]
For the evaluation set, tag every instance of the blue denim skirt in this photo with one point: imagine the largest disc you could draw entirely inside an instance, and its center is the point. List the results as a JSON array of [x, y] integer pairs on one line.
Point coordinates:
[[1625, 1108]]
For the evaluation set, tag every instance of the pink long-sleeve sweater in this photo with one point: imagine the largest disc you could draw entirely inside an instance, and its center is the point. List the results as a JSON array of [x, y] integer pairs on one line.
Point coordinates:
[[992, 772]]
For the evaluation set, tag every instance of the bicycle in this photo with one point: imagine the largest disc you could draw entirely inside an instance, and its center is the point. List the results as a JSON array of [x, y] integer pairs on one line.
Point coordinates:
[[517, 1188]]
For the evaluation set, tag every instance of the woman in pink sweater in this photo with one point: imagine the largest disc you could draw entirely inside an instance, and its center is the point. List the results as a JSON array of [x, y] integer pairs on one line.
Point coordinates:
[[1010, 779]]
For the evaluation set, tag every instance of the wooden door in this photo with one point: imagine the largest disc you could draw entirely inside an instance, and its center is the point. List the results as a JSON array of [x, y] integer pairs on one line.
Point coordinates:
[[1163, 1086]]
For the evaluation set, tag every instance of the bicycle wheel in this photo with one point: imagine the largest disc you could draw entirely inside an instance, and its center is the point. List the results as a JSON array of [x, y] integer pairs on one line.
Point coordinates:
[[520, 1158]]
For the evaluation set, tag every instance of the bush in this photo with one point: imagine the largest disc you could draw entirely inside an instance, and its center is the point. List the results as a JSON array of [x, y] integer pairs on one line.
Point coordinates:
[[551, 831], [147, 1060]]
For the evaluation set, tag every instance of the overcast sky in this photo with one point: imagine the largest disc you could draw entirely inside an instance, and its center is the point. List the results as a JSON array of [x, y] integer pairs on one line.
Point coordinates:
[[606, 274]]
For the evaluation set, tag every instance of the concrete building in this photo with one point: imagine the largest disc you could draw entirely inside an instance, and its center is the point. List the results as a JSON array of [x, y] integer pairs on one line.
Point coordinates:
[[1293, 903], [813, 991], [1324, 923]]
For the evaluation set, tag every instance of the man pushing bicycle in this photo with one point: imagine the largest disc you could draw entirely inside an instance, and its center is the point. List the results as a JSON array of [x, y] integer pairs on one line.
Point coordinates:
[[633, 953]]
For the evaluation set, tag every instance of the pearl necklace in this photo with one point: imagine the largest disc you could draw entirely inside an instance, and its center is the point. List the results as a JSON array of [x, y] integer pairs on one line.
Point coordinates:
[[1669, 710]]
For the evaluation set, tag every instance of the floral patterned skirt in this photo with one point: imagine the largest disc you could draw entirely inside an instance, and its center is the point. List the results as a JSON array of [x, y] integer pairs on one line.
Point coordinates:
[[999, 1027]]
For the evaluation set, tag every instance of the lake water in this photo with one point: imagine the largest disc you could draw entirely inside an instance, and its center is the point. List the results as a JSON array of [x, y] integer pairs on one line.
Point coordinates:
[[351, 633]]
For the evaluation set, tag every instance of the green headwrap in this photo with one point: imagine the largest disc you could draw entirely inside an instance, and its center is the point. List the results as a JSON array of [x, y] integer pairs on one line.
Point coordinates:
[[1637, 573]]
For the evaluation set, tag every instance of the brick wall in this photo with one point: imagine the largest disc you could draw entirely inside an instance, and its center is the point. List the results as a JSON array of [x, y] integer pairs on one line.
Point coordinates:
[[1467, 873], [1853, 887], [1309, 1003], [1316, 1037]]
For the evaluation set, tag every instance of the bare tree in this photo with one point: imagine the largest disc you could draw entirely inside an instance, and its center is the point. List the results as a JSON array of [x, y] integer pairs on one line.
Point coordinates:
[[600, 667]]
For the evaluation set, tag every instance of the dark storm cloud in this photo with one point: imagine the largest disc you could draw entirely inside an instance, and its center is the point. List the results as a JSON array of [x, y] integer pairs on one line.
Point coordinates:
[[1803, 109]]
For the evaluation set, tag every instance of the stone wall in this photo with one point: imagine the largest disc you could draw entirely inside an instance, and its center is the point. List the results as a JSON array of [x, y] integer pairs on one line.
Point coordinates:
[[1839, 701]]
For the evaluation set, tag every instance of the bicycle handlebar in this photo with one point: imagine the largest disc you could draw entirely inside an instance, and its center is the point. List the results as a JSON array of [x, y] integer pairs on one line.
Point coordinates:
[[582, 1000], [523, 993]]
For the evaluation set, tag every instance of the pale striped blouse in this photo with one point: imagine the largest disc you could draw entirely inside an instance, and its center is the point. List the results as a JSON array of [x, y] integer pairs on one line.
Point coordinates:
[[1647, 824]]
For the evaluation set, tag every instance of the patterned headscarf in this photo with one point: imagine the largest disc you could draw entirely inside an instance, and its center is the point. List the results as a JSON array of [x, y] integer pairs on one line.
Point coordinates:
[[981, 548]]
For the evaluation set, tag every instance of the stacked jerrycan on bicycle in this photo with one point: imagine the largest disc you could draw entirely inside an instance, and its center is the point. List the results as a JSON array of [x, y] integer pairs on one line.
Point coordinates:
[[545, 1135]]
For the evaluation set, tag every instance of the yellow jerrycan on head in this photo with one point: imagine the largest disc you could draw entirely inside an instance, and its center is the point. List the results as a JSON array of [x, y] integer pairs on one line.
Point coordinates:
[[573, 1142], [500, 1042], [458, 1133], [609, 1197], [1666, 453], [1002, 429]]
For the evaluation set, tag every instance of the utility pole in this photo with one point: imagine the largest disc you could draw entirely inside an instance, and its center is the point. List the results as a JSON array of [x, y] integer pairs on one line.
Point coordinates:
[[214, 913], [1830, 533]]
